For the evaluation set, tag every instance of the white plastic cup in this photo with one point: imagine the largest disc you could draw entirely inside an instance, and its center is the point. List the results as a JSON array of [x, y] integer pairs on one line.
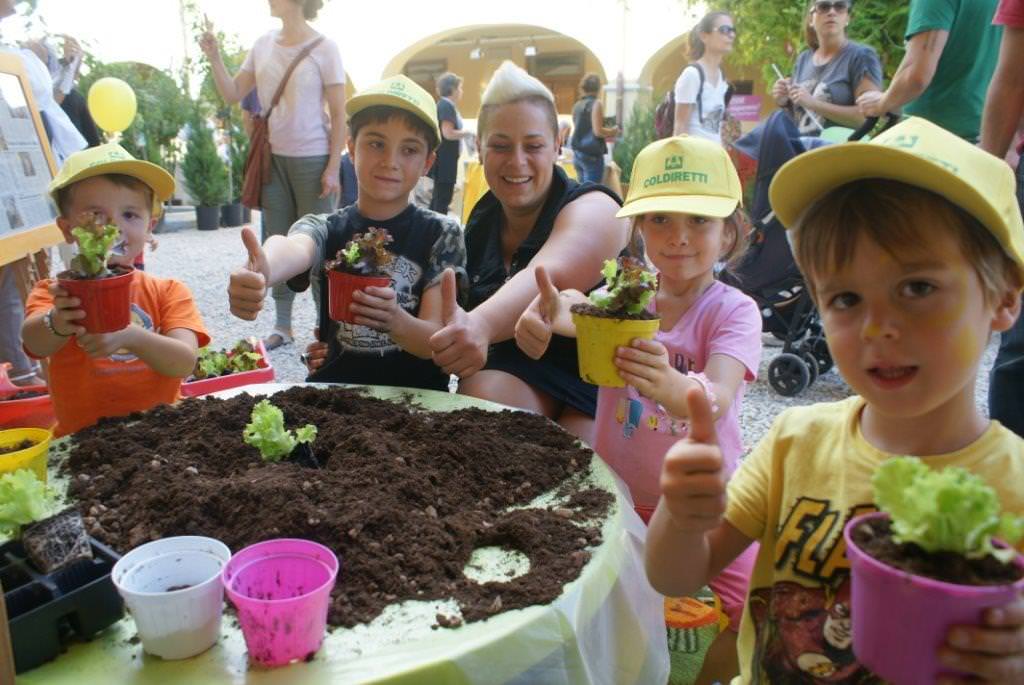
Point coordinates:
[[173, 589]]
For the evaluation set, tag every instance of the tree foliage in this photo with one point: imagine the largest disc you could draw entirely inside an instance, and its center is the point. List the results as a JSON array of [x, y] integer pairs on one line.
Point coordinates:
[[638, 134], [206, 174], [162, 107], [772, 31]]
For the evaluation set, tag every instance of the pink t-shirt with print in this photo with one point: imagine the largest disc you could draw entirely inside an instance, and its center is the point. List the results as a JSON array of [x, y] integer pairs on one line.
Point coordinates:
[[1010, 13], [632, 433]]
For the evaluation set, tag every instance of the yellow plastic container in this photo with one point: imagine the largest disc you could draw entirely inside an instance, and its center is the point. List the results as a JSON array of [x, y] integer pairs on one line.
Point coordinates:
[[596, 341], [33, 457]]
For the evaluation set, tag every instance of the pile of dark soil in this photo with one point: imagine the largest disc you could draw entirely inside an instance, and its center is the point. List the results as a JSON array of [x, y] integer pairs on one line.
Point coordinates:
[[17, 447], [587, 309], [874, 537], [404, 498]]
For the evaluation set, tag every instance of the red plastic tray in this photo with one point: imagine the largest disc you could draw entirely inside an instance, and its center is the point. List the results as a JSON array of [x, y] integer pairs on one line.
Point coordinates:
[[31, 412], [264, 374]]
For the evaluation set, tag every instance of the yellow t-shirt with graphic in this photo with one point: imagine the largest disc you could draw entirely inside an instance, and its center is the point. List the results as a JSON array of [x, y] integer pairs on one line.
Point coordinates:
[[809, 475]]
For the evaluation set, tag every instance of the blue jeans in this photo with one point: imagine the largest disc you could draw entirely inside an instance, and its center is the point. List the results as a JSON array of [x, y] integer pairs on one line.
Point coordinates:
[[588, 167], [1006, 386]]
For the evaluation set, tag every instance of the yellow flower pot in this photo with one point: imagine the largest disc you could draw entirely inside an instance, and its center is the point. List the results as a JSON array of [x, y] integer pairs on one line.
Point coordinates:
[[33, 457], [596, 341]]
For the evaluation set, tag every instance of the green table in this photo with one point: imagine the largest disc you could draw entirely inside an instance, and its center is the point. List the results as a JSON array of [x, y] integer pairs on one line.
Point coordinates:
[[606, 627]]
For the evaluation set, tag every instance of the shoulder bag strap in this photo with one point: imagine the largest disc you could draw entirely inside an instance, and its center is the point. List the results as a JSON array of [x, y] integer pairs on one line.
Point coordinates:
[[291, 67], [700, 92]]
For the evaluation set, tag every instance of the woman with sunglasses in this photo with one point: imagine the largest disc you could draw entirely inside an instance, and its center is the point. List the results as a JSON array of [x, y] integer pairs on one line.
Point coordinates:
[[700, 90], [830, 74]]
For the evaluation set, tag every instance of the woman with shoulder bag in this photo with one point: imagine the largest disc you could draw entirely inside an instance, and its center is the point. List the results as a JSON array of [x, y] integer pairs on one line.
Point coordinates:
[[589, 132], [295, 162]]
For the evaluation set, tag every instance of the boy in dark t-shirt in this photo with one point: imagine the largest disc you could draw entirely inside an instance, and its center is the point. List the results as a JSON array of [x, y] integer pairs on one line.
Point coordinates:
[[393, 133]]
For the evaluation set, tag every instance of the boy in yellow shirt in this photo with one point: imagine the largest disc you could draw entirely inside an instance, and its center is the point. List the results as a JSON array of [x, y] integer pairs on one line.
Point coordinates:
[[93, 375], [913, 249]]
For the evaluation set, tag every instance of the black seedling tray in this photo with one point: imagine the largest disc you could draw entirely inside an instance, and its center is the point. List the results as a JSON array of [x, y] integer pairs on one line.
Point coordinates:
[[45, 611]]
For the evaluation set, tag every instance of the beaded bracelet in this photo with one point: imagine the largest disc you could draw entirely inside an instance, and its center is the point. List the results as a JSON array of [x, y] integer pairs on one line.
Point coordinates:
[[705, 383]]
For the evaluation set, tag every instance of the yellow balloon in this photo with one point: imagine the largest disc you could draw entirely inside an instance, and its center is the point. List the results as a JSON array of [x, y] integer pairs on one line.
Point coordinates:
[[112, 104]]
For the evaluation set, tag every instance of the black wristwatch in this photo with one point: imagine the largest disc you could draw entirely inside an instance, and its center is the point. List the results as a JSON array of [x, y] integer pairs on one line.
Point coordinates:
[[48, 322]]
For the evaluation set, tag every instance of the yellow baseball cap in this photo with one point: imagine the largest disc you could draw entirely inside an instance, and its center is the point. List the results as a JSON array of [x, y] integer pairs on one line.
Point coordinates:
[[401, 92], [111, 158], [919, 153], [683, 174]]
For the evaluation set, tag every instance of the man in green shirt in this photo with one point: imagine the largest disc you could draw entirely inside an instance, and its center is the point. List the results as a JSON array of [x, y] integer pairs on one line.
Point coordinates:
[[952, 48]]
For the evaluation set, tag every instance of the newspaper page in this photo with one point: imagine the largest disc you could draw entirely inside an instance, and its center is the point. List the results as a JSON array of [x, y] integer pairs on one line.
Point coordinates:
[[24, 174]]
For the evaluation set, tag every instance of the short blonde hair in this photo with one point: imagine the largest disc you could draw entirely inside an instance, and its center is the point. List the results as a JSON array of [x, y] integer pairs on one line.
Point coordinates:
[[511, 84], [897, 217]]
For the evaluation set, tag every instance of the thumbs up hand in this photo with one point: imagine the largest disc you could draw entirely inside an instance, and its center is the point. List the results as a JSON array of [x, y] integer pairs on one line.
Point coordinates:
[[247, 286], [692, 477], [460, 346], [535, 325]]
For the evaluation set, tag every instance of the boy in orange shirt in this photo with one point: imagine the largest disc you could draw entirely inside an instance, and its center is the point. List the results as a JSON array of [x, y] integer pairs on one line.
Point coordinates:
[[137, 367]]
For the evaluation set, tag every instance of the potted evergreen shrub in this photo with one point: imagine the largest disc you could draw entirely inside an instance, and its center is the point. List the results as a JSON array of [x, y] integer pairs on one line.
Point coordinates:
[[104, 291], [926, 562], [360, 264], [206, 175], [615, 315], [231, 214]]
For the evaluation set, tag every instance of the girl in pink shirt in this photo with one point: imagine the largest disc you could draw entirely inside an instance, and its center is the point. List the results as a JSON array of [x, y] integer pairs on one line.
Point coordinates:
[[684, 202]]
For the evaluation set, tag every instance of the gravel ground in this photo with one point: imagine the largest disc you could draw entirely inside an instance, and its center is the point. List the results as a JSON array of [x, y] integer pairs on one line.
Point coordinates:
[[203, 261]]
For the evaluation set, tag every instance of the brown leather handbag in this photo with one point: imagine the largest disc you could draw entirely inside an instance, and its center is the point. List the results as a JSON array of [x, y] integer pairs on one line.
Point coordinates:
[[256, 172]]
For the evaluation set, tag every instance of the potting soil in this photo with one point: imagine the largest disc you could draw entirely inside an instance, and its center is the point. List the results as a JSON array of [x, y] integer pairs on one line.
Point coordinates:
[[16, 447], [874, 537], [404, 498], [587, 309]]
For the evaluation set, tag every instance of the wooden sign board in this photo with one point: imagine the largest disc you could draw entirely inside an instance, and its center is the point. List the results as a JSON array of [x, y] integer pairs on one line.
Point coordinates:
[[27, 214]]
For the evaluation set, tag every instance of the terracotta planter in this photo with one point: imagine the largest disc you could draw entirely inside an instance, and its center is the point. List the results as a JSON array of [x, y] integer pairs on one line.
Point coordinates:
[[900, 620], [596, 341], [106, 301], [342, 285]]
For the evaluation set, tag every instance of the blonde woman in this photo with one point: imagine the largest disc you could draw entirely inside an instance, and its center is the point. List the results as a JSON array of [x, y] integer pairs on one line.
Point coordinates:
[[533, 215]]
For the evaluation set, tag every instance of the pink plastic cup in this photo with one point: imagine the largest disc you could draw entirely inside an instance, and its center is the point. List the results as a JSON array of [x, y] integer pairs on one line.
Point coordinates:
[[900, 620], [282, 590]]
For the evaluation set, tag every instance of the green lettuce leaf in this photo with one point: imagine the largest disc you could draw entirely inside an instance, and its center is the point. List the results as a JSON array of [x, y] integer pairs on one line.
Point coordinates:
[[266, 432], [949, 510], [23, 499]]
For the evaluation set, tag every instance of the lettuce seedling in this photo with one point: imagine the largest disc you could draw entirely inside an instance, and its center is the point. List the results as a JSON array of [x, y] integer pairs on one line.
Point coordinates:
[[24, 499], [365, 255], [95, 238], [951, 510], [630, 285], [211, 363], [266, 432]]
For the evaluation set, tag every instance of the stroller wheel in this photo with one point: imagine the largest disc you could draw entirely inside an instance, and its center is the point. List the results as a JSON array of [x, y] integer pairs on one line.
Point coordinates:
[[812, 367], [788, 374], [815, 347]]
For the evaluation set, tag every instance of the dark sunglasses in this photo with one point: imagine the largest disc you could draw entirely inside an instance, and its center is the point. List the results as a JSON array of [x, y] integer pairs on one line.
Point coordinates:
[[726, 30], [825, 6]]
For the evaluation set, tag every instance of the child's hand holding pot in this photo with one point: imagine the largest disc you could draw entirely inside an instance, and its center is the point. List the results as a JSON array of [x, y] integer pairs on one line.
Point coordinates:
[[692, 479], [66, 312], [247, 287], [376, 308], [645, 366], [994, 652], [101, 345]]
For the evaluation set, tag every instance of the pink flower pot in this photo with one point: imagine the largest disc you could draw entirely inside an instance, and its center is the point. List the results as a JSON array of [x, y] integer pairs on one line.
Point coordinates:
[[105, 301], [282, 590], [900, 620], [342, 285]]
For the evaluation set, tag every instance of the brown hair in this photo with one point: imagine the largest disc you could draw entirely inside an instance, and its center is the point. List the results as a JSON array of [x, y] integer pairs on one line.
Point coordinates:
[[705, 25], [64, 195], [810, 35], [590, 84], [310, 8], [898, 218], [448, 83], [379, 114]]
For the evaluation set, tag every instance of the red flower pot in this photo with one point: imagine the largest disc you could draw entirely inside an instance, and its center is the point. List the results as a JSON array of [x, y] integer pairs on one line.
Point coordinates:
[[342, 285], [106, 301]]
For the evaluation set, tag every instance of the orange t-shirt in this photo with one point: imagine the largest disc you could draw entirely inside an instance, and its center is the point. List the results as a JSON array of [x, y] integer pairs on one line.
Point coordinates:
[[84, 389]]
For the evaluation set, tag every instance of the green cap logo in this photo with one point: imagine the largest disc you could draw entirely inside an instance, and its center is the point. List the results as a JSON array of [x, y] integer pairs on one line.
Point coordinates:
[[674, 163]]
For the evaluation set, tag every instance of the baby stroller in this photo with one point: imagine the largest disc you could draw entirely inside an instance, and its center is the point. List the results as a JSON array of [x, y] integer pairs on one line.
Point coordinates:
[[768, 272]]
